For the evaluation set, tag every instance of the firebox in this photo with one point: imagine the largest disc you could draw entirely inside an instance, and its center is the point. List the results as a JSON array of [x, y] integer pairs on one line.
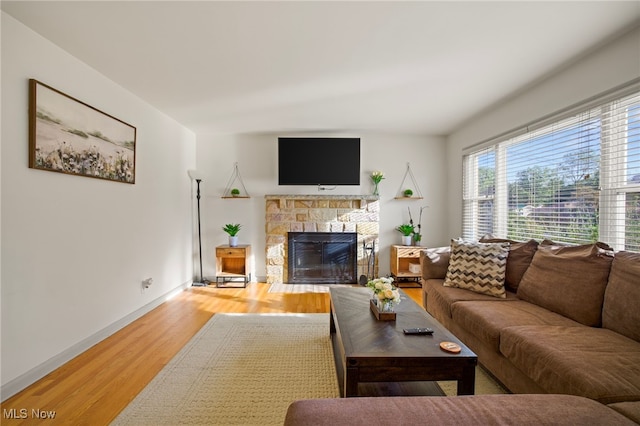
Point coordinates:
[[322, 257]]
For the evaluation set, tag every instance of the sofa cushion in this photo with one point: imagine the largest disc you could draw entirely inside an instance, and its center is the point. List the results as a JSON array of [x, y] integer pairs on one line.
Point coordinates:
[[593, 362], [434, 262], [478, 267], [569, 280], [620, 312], [439, 298], [459, 411], [628, 409], [520, 256], [600, 244], [485, 320]]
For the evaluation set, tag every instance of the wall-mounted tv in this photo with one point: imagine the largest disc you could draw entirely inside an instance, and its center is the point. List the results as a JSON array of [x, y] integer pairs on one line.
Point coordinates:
[[318, 161]]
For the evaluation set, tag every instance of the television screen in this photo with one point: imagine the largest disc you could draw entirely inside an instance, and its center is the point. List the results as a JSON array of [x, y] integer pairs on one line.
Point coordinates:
[[318, 161]]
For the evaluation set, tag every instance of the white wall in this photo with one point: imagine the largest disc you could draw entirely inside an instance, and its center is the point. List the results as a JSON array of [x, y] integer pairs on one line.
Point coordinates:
[[75, 249], [614, 64], [258, 163]]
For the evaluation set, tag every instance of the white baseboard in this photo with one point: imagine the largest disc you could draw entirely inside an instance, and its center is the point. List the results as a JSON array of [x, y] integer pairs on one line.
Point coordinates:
[[21, 382]]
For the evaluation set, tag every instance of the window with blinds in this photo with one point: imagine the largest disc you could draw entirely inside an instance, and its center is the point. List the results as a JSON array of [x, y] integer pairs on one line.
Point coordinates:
[[572, 179]]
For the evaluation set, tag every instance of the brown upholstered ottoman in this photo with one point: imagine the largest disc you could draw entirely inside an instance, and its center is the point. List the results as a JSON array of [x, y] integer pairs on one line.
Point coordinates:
[[459, 411]]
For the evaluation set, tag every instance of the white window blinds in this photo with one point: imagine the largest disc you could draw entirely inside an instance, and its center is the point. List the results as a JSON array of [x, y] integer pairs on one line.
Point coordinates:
[[575, 179]]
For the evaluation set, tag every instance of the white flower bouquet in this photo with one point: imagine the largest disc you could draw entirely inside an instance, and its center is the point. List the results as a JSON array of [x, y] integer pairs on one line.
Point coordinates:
[[384, 290], [377, 177]]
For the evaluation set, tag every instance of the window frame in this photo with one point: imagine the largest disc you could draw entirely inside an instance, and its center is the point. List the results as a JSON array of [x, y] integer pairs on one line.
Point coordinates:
[[613, 185]]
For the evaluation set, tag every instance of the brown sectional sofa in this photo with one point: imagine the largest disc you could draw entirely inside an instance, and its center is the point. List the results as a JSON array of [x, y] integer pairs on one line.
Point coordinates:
[[569, 324]]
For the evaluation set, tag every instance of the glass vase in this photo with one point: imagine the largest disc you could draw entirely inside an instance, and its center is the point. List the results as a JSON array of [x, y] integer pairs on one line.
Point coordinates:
[[375, 189], [385, 306]]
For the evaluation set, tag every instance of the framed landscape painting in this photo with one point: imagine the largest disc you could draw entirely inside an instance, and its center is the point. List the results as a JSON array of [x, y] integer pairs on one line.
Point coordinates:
[[69, 136]]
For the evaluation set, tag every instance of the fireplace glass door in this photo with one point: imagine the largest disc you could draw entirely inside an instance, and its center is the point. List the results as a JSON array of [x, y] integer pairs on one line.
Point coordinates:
[[322, 257]]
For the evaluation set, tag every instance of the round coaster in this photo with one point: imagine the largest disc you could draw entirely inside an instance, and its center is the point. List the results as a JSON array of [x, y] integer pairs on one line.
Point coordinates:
[[454, 348]]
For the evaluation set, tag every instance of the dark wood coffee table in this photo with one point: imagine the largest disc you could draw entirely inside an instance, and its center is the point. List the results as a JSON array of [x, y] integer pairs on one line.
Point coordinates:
[[367, 350]]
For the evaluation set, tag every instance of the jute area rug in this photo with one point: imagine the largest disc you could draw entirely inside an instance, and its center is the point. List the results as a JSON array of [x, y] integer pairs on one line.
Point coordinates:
[[240, 369], [245, 369]]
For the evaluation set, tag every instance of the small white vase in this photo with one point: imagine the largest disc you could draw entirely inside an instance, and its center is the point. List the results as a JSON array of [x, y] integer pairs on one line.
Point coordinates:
[[406, 240], [233, 241]]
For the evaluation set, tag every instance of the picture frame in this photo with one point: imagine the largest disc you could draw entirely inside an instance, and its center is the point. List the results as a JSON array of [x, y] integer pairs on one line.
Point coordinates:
[[69, 136]]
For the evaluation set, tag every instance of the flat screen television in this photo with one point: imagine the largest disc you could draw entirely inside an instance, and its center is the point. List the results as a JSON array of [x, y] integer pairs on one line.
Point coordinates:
[[318, 161]]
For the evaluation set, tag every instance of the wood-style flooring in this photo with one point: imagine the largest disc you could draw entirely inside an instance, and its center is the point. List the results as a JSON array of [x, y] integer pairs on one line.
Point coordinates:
[[95, 386]]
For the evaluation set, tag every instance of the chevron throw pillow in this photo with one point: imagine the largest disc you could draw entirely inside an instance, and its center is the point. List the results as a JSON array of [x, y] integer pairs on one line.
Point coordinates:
[[479, 267]]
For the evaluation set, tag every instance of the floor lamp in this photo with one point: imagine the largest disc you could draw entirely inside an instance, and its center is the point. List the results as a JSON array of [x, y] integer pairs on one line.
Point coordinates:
[[202, 282]]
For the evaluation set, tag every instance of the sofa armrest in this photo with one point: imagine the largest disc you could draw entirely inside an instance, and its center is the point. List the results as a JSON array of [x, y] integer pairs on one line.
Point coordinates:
[[434, 262]]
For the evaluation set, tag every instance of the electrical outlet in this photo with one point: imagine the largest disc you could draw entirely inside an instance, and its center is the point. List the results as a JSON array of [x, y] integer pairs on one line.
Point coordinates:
[[147, 283]]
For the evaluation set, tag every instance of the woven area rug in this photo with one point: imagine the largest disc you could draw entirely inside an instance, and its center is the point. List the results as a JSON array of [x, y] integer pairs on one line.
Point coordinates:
[[240, 369], [485, 385], [245, 369]]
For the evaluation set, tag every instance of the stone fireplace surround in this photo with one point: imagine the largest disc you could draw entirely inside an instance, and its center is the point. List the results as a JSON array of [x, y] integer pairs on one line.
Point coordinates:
[[318, 213]]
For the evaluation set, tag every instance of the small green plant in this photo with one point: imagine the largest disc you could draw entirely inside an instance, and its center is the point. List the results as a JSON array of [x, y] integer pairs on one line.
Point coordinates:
[[405, 230], [417, 237], [235, 192], [408, 193], [232, 229]]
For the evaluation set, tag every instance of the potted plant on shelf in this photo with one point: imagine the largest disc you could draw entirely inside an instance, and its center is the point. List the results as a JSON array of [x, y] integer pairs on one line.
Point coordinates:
[[407, 231], [235, 192], [232, 230], [408, 192]]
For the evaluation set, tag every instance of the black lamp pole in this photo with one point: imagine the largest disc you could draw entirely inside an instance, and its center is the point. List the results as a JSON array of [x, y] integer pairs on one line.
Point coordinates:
[[202, 282]]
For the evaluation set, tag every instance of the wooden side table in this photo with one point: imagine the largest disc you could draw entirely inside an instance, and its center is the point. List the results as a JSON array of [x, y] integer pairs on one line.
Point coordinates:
[[405, 262], [232, 263]]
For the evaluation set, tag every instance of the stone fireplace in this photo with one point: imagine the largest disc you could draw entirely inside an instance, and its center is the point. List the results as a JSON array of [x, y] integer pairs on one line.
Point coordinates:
[[357, 214]]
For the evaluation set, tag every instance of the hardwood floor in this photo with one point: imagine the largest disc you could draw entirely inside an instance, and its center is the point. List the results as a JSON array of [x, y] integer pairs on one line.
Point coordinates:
[[95, 386]]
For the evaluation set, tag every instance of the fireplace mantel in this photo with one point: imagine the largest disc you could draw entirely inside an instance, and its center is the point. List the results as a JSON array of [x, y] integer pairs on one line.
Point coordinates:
[[321, 197], [286, 213]]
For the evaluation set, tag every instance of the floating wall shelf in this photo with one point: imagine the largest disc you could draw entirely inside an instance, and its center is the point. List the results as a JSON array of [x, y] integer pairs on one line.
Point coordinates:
[[417, 195], [235, 176]]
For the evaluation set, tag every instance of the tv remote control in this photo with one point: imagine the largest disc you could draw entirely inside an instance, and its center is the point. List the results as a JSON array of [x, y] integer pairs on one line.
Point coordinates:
[[418, 331]]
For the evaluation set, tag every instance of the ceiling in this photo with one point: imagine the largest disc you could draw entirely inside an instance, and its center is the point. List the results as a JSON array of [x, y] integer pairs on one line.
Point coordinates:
[[300, 66]]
